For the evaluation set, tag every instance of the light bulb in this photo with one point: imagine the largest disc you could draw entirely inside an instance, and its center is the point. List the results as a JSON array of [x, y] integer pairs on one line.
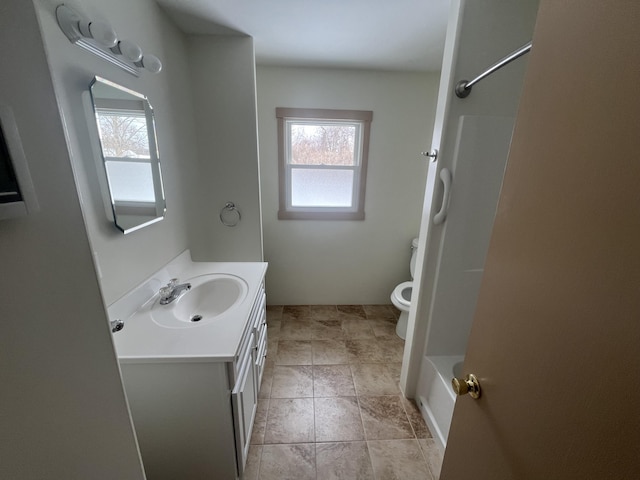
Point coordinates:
[[101, 32], [130, 51], [151, 63]]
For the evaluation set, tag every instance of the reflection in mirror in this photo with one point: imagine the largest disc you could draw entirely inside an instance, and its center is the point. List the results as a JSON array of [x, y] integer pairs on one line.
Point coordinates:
[[129, 154]]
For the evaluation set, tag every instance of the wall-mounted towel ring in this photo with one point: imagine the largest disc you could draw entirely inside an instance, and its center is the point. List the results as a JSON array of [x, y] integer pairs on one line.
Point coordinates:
[[445, 176], [230, 215]]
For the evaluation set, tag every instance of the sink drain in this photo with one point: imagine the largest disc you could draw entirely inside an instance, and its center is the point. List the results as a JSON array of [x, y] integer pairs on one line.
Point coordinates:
[[196, 318]]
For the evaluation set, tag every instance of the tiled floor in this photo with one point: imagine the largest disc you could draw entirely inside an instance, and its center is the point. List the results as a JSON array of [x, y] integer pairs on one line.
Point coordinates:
[[330, 406]]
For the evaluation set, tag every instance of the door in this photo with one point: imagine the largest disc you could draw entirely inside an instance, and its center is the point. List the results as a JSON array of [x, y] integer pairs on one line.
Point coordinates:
[[556, 336]]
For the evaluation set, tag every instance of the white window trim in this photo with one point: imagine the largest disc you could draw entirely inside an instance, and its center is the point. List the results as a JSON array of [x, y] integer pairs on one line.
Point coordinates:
[[285, 117]]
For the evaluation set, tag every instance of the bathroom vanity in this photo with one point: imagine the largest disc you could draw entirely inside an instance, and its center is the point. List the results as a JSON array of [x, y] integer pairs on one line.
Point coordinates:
[[192, 369]]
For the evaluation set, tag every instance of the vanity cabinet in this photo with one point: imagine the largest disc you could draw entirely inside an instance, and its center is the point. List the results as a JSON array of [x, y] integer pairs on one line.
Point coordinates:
[[247, 378], [194, 416]]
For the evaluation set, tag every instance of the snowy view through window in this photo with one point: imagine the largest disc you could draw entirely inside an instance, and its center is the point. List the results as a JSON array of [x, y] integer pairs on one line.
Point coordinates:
[[323, 159]]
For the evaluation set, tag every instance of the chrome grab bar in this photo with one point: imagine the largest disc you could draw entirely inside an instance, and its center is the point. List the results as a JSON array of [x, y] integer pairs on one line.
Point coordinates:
[[463, 87]]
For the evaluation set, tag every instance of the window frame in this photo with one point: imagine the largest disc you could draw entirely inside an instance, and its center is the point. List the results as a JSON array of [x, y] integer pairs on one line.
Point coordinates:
[[315, 115]]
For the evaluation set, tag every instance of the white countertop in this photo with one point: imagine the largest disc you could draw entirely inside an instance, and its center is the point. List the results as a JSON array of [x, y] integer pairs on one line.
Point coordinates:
[[142, 340]]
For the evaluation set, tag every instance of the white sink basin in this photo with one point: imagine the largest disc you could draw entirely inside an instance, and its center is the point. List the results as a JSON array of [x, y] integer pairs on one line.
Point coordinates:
[[209, 298]]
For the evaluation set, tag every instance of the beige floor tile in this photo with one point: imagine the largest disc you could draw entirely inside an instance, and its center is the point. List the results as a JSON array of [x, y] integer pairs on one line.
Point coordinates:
[[365, 350], [356, 327], [391, 348], [252, 467], [272, 344], [290, 420], [374, 379], [267, 381], [433, 454], [324, 312], [384, 418], [398, 460], [273, 333], [260, 422], [296, 311], [383, 327], [333, 381], [379, 311], [335, 353], [343, 461], [354, 310], [270, 361], [330, 352], [296, 329], [273, 329], [288, 462], [395, 368], [337, 419], [274, 312], [294, 352], [416, 420], [292, 381], [330, 329]]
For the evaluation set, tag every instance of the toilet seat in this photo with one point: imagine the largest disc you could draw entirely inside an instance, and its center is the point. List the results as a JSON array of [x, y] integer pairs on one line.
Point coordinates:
[[398, 299]]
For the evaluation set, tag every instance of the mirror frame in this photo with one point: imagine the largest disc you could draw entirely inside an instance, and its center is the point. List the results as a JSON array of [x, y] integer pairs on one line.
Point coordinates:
[[156, 170]]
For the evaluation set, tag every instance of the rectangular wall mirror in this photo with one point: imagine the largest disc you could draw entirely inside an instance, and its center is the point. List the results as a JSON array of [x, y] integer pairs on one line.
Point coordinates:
[[129, 150]]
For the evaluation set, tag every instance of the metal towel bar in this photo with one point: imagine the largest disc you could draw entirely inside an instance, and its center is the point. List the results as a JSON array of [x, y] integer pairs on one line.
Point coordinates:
[[463, 87]]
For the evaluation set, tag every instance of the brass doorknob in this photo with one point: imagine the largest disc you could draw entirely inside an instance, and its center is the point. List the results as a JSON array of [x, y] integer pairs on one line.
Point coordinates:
[[469, 385]]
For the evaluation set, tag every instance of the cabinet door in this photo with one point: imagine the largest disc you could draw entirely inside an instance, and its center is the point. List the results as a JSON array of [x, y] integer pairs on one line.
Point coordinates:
[[244, 398]]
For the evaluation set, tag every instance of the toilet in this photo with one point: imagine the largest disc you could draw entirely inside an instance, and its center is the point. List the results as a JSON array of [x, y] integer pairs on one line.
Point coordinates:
[[401, 295]]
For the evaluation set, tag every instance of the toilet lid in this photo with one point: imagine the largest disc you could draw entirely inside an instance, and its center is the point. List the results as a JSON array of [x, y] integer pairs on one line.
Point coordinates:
[[402, 293]]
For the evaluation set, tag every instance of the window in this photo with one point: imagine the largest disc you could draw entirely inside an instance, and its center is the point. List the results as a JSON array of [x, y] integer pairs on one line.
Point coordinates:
[[322, 163]]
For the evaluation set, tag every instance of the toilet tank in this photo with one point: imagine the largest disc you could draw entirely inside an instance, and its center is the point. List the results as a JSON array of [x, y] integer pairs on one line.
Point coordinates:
[[414, 250]]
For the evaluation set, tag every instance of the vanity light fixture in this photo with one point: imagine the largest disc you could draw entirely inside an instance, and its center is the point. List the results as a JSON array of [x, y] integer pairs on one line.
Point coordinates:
[[101, 39]]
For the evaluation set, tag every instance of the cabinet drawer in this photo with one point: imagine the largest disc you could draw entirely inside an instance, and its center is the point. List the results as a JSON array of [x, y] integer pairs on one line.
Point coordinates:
[[251, 334], [258, 308], [261, 329], [261, 357], [260, 314]]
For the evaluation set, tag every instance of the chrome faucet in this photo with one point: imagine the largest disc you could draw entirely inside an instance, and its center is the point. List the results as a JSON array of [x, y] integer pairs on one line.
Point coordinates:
[[172, 291]]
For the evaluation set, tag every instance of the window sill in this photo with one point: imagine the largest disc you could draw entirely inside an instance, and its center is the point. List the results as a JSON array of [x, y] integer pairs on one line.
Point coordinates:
[[285, 215]]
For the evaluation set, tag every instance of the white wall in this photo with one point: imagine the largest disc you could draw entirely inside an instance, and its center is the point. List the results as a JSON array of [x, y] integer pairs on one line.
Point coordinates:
[[126, 260], [223, 83], [63, 413], [348, 262]]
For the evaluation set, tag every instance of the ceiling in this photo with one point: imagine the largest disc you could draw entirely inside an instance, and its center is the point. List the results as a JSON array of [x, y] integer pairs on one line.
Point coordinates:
[[406, 35]]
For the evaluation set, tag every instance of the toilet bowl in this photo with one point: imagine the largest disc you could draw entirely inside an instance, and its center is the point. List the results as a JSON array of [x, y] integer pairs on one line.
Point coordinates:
[[401, 299], [401, 295]]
